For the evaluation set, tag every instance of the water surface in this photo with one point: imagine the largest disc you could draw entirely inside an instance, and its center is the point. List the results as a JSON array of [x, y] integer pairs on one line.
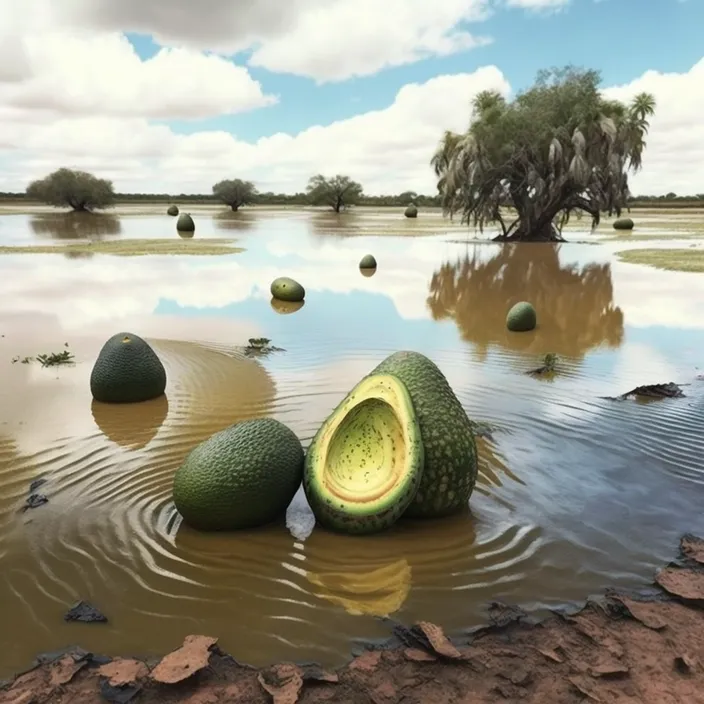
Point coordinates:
[[576, 492]]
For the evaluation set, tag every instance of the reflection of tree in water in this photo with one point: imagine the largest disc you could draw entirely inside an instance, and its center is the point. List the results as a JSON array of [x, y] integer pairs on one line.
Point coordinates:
[[331, 224], [76, 226], [227, 220], [575, 304]]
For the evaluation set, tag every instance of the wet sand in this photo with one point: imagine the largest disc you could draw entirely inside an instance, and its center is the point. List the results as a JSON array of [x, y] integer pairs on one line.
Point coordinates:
[[624, 648]]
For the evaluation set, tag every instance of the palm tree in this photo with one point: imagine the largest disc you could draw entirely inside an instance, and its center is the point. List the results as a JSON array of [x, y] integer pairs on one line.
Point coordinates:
[[558, 148]]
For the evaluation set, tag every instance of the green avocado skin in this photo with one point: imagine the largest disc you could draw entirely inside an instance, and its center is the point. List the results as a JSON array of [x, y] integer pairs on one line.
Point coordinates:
[[127, 372], [241, 477], [450, 467]]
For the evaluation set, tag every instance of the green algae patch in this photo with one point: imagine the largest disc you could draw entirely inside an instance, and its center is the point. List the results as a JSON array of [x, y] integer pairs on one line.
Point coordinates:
[[669, 259], [132, 248]]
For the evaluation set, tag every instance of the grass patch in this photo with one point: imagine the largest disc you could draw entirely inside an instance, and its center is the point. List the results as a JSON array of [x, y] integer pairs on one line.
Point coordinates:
[[132, 248], [668, 259]]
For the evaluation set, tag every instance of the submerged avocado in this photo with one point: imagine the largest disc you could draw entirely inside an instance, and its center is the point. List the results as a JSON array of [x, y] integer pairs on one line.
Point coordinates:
[[127, 370], [411, 211], [623, 224], [172, 210], [450, 469], [287, 289], [367, 262], [521, 317], [241, 477], [185, 223], [365, 463]]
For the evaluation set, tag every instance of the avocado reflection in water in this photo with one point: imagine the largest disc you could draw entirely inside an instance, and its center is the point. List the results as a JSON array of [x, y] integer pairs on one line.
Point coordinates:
[[131, 425], [76, 226], [575, 306], [286, 307]]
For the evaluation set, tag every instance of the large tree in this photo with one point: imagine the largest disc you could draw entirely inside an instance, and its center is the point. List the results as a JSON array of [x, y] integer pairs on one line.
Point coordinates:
[[557, 148], [337, 192], [76, 189], [235, 193]]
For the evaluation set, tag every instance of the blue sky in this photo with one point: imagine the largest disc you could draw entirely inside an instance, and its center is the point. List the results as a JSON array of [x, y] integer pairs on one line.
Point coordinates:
[[609, 35]]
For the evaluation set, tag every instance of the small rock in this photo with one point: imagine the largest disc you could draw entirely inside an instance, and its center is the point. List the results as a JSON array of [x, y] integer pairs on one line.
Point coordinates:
[[85, 613]]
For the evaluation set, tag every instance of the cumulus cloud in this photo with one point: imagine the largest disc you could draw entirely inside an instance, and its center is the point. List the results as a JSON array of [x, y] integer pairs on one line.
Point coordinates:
[[323, 39], [102, 75], [674, 157], [386, 149], [77, 94]]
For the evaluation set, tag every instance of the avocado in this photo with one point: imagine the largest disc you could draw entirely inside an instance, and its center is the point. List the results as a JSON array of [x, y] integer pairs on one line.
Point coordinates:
[[241, 477], [286, 289], [127, 370], [411, 211], [367, 262], [521, 317], [450, 470], [185, 223], [365, 463], [623, 224], [172, 210]]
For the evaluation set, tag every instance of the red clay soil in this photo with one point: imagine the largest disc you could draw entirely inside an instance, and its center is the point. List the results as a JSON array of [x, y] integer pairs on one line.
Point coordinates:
[[621, 650]]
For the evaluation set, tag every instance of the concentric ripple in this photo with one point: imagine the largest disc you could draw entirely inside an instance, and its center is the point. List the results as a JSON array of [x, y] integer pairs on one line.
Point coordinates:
[[575, 493]]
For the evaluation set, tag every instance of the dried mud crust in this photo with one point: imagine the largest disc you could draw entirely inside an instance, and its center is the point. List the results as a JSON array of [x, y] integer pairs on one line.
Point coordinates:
[[621, 650]]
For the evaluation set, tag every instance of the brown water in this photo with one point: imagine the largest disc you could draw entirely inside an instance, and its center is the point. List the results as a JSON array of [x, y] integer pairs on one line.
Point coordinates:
[[576, 492]]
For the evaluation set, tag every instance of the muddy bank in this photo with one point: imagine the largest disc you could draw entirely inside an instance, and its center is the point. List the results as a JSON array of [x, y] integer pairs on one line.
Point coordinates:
[[623, 649]]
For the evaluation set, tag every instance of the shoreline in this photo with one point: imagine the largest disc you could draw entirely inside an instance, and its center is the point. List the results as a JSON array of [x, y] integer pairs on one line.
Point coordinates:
[[625, 648]]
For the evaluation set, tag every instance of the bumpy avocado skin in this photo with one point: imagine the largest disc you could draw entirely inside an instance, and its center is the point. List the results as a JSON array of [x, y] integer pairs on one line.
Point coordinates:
[[127, 370], [522, 317], [385, 511], [450, 467], [241, 477]]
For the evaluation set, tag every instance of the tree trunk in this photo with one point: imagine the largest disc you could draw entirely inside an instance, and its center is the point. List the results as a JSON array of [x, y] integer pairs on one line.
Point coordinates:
[[546, 233], [235, 207]]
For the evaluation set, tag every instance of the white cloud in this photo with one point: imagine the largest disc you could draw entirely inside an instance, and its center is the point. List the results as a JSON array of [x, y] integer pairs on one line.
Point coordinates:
[[102, 75], [78, 95], [674, 156], [386, 149], [323, 39]]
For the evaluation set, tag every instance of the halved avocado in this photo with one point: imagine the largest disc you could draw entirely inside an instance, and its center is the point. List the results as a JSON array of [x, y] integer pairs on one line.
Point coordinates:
[[365, 463]]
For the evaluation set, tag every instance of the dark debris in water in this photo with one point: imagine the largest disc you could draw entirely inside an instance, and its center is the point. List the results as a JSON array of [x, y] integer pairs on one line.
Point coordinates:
[[626, 647], [669, 390], [549, 366], [260, 347], [84, 612], [36, 484], [34, 501], [52, 359]]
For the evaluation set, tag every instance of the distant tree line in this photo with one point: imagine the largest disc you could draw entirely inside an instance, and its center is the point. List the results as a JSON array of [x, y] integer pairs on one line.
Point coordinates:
[[84, 192], [302, 198]]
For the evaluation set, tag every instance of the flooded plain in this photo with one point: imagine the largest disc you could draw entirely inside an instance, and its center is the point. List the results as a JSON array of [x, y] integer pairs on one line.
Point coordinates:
[[577, 492]]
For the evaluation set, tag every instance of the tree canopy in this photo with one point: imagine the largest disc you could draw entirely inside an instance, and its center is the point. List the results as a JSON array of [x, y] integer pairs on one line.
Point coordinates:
[[76, 189], [557, 148], [337, 192], [235, 192]]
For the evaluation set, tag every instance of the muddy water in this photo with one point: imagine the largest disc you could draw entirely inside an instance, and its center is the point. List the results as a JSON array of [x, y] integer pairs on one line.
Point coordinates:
[[576, 492]]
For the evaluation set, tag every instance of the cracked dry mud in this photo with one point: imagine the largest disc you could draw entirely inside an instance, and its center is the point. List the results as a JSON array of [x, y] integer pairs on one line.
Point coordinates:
[[625, 649]]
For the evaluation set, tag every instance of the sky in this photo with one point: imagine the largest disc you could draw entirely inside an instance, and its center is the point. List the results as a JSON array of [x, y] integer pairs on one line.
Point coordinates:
[[172, 97]]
